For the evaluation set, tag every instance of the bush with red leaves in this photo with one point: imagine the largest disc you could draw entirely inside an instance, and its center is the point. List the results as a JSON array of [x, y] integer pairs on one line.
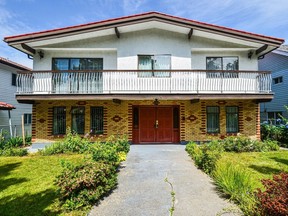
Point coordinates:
[[274, 200]]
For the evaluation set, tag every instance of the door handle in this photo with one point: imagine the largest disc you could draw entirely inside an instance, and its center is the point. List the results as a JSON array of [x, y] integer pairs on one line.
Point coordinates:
[[156, 124]]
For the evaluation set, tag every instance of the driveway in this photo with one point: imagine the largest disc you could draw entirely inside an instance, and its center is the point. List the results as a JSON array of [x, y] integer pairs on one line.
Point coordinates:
[[143, 191]]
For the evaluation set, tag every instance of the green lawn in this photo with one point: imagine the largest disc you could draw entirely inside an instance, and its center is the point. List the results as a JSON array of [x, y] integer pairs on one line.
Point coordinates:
[[26, 184], [259, 164]]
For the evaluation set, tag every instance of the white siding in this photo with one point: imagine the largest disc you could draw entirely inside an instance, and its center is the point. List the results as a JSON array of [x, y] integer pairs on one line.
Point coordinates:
[[7, 94]]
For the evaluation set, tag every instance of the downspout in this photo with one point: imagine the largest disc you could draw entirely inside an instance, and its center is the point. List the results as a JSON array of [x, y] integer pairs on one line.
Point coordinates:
[[10, 123]]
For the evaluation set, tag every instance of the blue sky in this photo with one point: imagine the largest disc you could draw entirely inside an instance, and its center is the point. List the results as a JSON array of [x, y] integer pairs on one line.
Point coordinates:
[[23, 16]]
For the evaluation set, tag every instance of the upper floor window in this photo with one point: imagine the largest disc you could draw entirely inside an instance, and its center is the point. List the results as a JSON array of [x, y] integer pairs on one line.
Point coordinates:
[[277, 80], [77, 64], [154, 62], [222, 63], [14, 77]]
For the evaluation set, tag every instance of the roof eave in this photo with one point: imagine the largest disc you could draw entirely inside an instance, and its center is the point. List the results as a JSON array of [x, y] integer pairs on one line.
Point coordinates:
[[140, 18]]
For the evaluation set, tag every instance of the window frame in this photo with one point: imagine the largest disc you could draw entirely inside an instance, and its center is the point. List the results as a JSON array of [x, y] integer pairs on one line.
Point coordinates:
[[153, 66], [277, 80], [14, 79], [227, 118], [97, 132], [73, 58], [64, 120], [27, 118], [230, 74], [77, 115], [274, 119], [217, 115]]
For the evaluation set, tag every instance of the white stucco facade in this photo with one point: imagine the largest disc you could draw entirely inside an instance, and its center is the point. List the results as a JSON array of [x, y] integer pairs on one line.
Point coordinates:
[[122, 53]]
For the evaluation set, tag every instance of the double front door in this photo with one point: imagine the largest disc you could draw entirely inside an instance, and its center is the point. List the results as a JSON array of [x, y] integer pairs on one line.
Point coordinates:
[[157, 124]]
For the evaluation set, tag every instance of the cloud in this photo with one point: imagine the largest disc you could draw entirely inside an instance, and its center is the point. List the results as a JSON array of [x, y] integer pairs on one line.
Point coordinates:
[[133, 6], [258, 16], [11, 25]]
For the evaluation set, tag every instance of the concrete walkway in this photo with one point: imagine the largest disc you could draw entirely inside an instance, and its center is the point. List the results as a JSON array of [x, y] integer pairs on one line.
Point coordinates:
[[143, 191]]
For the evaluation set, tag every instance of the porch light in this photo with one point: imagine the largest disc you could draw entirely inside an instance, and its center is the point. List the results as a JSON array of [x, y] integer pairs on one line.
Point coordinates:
[[156, 102], [41, 54]]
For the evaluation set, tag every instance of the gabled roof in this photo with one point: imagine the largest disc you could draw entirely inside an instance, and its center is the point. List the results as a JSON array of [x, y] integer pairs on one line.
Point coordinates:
[[6, 106], [24, 42], [282, 50], [13, 64]]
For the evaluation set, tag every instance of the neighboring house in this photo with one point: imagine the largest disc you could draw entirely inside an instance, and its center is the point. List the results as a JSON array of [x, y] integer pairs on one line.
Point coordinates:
[[154, 77], [8, 73], [277, 63]]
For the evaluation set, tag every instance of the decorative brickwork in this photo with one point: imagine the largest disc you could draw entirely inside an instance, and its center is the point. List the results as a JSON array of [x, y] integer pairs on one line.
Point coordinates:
[[34, 122], [118, 117], [257, 114]]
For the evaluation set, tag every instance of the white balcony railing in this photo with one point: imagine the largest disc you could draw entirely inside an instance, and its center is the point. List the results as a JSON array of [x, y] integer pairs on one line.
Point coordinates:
[[143, 82]]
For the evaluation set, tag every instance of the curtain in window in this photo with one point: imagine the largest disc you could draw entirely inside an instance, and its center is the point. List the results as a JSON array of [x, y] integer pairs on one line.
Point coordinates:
[[213, 120], [162, 62], [157, 62], [78, 119], [222, 63], [78, 82], [62, 79], [231, 119], [145, 63]]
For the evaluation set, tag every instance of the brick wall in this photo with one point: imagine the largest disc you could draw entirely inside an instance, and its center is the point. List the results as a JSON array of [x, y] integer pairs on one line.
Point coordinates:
[[118, 117]]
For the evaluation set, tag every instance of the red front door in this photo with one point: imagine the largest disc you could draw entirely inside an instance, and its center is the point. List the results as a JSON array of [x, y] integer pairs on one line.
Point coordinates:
[[156, 124]]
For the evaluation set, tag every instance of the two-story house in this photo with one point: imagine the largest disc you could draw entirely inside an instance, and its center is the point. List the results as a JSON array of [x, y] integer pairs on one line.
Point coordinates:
[[155, 77], [276, 62], [10, 122]]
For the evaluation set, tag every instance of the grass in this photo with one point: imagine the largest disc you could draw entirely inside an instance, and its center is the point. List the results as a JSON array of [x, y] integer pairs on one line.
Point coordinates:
[[26, 184], [259, 164], [239, 174]]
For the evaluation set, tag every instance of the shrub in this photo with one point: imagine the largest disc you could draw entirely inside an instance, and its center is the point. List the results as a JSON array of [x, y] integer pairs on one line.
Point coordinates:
[[205, 156], [278, 133], [195, 152], [274, 200], [14, 142], [245, 144], [237, 144], [113, 151], [72, 143], [28, 140], [13, 152], [2, 141], [236, 183], [84, 184], [54, 148], [105, 153], [120, 143]]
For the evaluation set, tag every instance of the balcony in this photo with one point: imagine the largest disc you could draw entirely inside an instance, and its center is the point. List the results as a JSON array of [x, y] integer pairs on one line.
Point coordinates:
[[136, 82]]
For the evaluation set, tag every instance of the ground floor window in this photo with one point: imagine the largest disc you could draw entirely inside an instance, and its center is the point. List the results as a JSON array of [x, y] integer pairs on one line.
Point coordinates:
[[213, 125], [27, 118], [96, 120], [59, 120], [274, 118], [232, 119], [78, 119]]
